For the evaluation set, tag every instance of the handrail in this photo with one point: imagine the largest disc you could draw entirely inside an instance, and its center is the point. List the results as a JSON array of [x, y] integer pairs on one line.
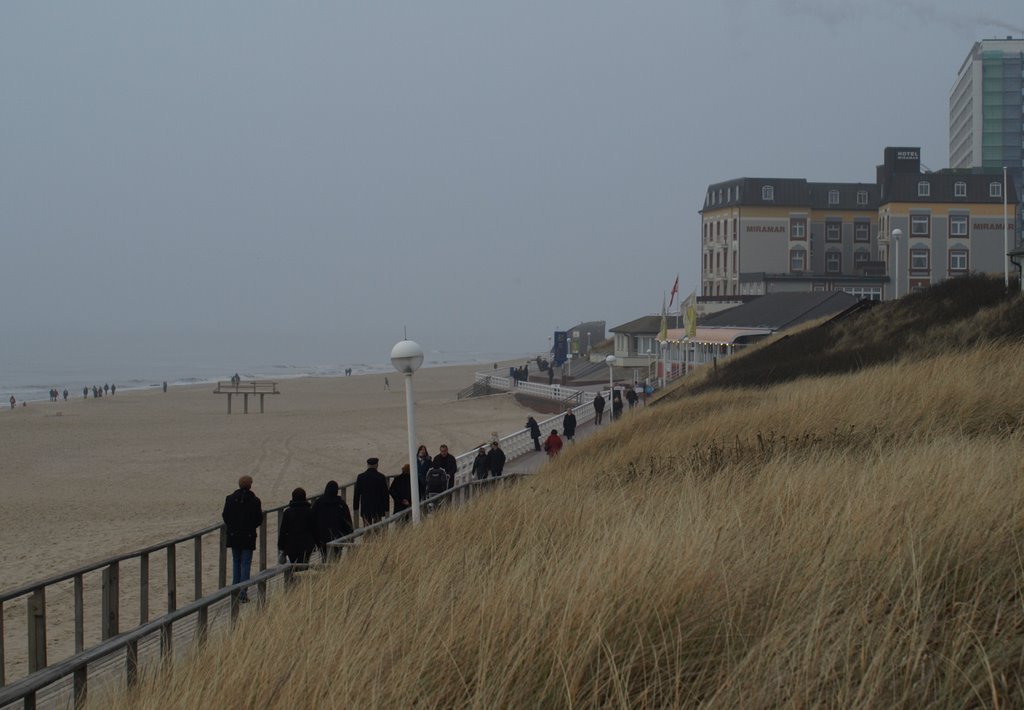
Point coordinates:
[[27, 687]]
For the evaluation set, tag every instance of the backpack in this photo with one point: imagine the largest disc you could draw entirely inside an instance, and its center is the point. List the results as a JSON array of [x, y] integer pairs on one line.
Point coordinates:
[[436, 481]]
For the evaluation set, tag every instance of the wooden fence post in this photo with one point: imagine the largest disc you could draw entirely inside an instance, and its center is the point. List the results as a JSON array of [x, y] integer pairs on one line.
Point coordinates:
[[3, 654], [197, 565], [222, 568], [79, 614], [111, 623], [172, 578], [143, 588], [37, 630]]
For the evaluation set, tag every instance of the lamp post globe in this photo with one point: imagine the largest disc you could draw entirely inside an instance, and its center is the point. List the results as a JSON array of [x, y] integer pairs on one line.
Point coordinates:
[[406, 357]]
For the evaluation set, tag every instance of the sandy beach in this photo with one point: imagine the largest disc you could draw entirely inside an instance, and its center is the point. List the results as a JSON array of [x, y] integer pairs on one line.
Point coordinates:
[[86, 479]]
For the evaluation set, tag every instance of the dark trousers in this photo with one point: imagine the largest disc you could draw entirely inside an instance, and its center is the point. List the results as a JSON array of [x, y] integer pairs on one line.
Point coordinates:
[[536, 443], [598, 415]]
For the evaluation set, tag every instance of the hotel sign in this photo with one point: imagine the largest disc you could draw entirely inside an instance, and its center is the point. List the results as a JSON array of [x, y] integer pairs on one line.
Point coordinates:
[[766, 227], [989, 226]]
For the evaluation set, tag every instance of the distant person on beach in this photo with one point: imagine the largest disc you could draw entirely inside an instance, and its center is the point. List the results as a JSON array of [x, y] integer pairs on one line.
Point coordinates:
[[242, 515], [297, 536], [387, 385], [332, 516], [13, 401], [553, 444], [85, 392], [534, 428], [448, 463], [113, 390], [401, 490], [423, 464], [370, 498], [65, 394], [106, 389], [480, 464], [598, 408], [495, 460], [165, 387], [569, 424]]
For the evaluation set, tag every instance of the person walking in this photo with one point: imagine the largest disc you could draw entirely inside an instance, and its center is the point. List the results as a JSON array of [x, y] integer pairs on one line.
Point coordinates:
[[297, 536], [65, 394], [448, 463], [534, 428], [333, 518], [480, 464], [553, 444], [423, 464], [598, 408], [616, 405], [631, 397], [569, 424], [401, 490], [387, 385], [242, 516], [13, 401], [370, 498], [495, 460]]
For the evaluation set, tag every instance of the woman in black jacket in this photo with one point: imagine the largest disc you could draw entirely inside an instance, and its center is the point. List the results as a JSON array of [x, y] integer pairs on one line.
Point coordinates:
[[480, 464], [297, 537], [534, 428], [332, 516]]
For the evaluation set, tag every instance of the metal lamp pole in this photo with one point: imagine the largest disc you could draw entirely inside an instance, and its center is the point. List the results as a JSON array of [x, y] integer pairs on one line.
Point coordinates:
[[611, 382], [406, 357], [896, 234]]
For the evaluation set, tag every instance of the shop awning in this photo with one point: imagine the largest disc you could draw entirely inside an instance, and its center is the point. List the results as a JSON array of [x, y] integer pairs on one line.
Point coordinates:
[[716, 336]]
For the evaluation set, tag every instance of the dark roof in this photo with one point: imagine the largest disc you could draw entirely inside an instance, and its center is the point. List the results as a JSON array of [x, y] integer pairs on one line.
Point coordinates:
[[789, 192], [903, 187], [779, 311], [647, 325]]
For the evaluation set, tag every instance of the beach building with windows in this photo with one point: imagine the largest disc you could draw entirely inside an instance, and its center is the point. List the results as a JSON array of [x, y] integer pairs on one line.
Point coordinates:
[[775, 235]]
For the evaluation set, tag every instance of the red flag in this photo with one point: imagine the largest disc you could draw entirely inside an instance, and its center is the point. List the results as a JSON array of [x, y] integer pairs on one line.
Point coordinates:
[[675, 290]]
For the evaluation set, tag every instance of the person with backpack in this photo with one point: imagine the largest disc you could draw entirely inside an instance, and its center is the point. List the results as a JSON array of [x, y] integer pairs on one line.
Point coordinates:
[[297, 536], [332, 516]]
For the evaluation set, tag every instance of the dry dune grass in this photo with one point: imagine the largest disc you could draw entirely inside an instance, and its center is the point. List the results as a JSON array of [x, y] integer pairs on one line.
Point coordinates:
[[852, 541]]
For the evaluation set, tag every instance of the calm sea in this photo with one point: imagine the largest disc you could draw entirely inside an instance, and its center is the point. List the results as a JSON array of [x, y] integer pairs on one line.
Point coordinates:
[[30, 376]]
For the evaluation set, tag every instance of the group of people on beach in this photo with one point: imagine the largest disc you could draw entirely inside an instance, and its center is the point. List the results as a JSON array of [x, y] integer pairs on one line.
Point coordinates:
[[97, 391], [306, 527]]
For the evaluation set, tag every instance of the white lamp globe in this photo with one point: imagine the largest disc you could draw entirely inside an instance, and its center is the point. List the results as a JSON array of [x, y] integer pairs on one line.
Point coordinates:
[[406, 357], [610, 360]]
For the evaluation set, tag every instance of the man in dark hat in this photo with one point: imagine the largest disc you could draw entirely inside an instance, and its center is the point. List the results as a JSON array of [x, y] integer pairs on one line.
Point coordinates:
[[370, 498]]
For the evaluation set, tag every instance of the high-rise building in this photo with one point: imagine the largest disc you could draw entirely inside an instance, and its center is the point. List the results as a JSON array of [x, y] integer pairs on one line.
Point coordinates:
[[986, 109]]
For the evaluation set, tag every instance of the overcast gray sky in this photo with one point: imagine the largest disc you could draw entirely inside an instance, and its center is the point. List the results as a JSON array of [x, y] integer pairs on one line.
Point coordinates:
[[481, 172]]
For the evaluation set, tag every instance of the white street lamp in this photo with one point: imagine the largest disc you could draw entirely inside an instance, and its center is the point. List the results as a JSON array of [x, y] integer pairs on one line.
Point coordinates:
[[611, 382], [406, 357], [896, 234]]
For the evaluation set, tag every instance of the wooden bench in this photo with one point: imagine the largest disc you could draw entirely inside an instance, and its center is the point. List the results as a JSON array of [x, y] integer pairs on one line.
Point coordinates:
[[246, 388]]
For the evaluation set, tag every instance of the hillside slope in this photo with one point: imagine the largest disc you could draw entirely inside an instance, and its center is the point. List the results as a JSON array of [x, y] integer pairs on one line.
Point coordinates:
[[851, 540]]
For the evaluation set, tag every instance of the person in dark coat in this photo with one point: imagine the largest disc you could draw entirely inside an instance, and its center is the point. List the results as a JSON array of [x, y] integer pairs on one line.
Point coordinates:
[[297, 536], [553, 444], [495, 460], [400, 491], [598, 408], [631, 397], [332, 516], [423, 464], [569, 424], [448, 463], [616, 405], [534, 428], [242, 515], [371, 493], [480, 464]]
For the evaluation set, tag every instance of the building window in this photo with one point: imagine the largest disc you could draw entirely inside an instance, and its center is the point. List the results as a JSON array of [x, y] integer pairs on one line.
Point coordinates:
[[873, 293], [797, 228], [833, 262], [860, 257], [924, 189], [735, 228], [920, 225], [995, 189], [960, 189], [719, 194], [833, 231], [862, 197], [796, 260], [862, 232], [833, 197], [958, 225], [957, 260], [919, 260], [728, 194], [768, 193]]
